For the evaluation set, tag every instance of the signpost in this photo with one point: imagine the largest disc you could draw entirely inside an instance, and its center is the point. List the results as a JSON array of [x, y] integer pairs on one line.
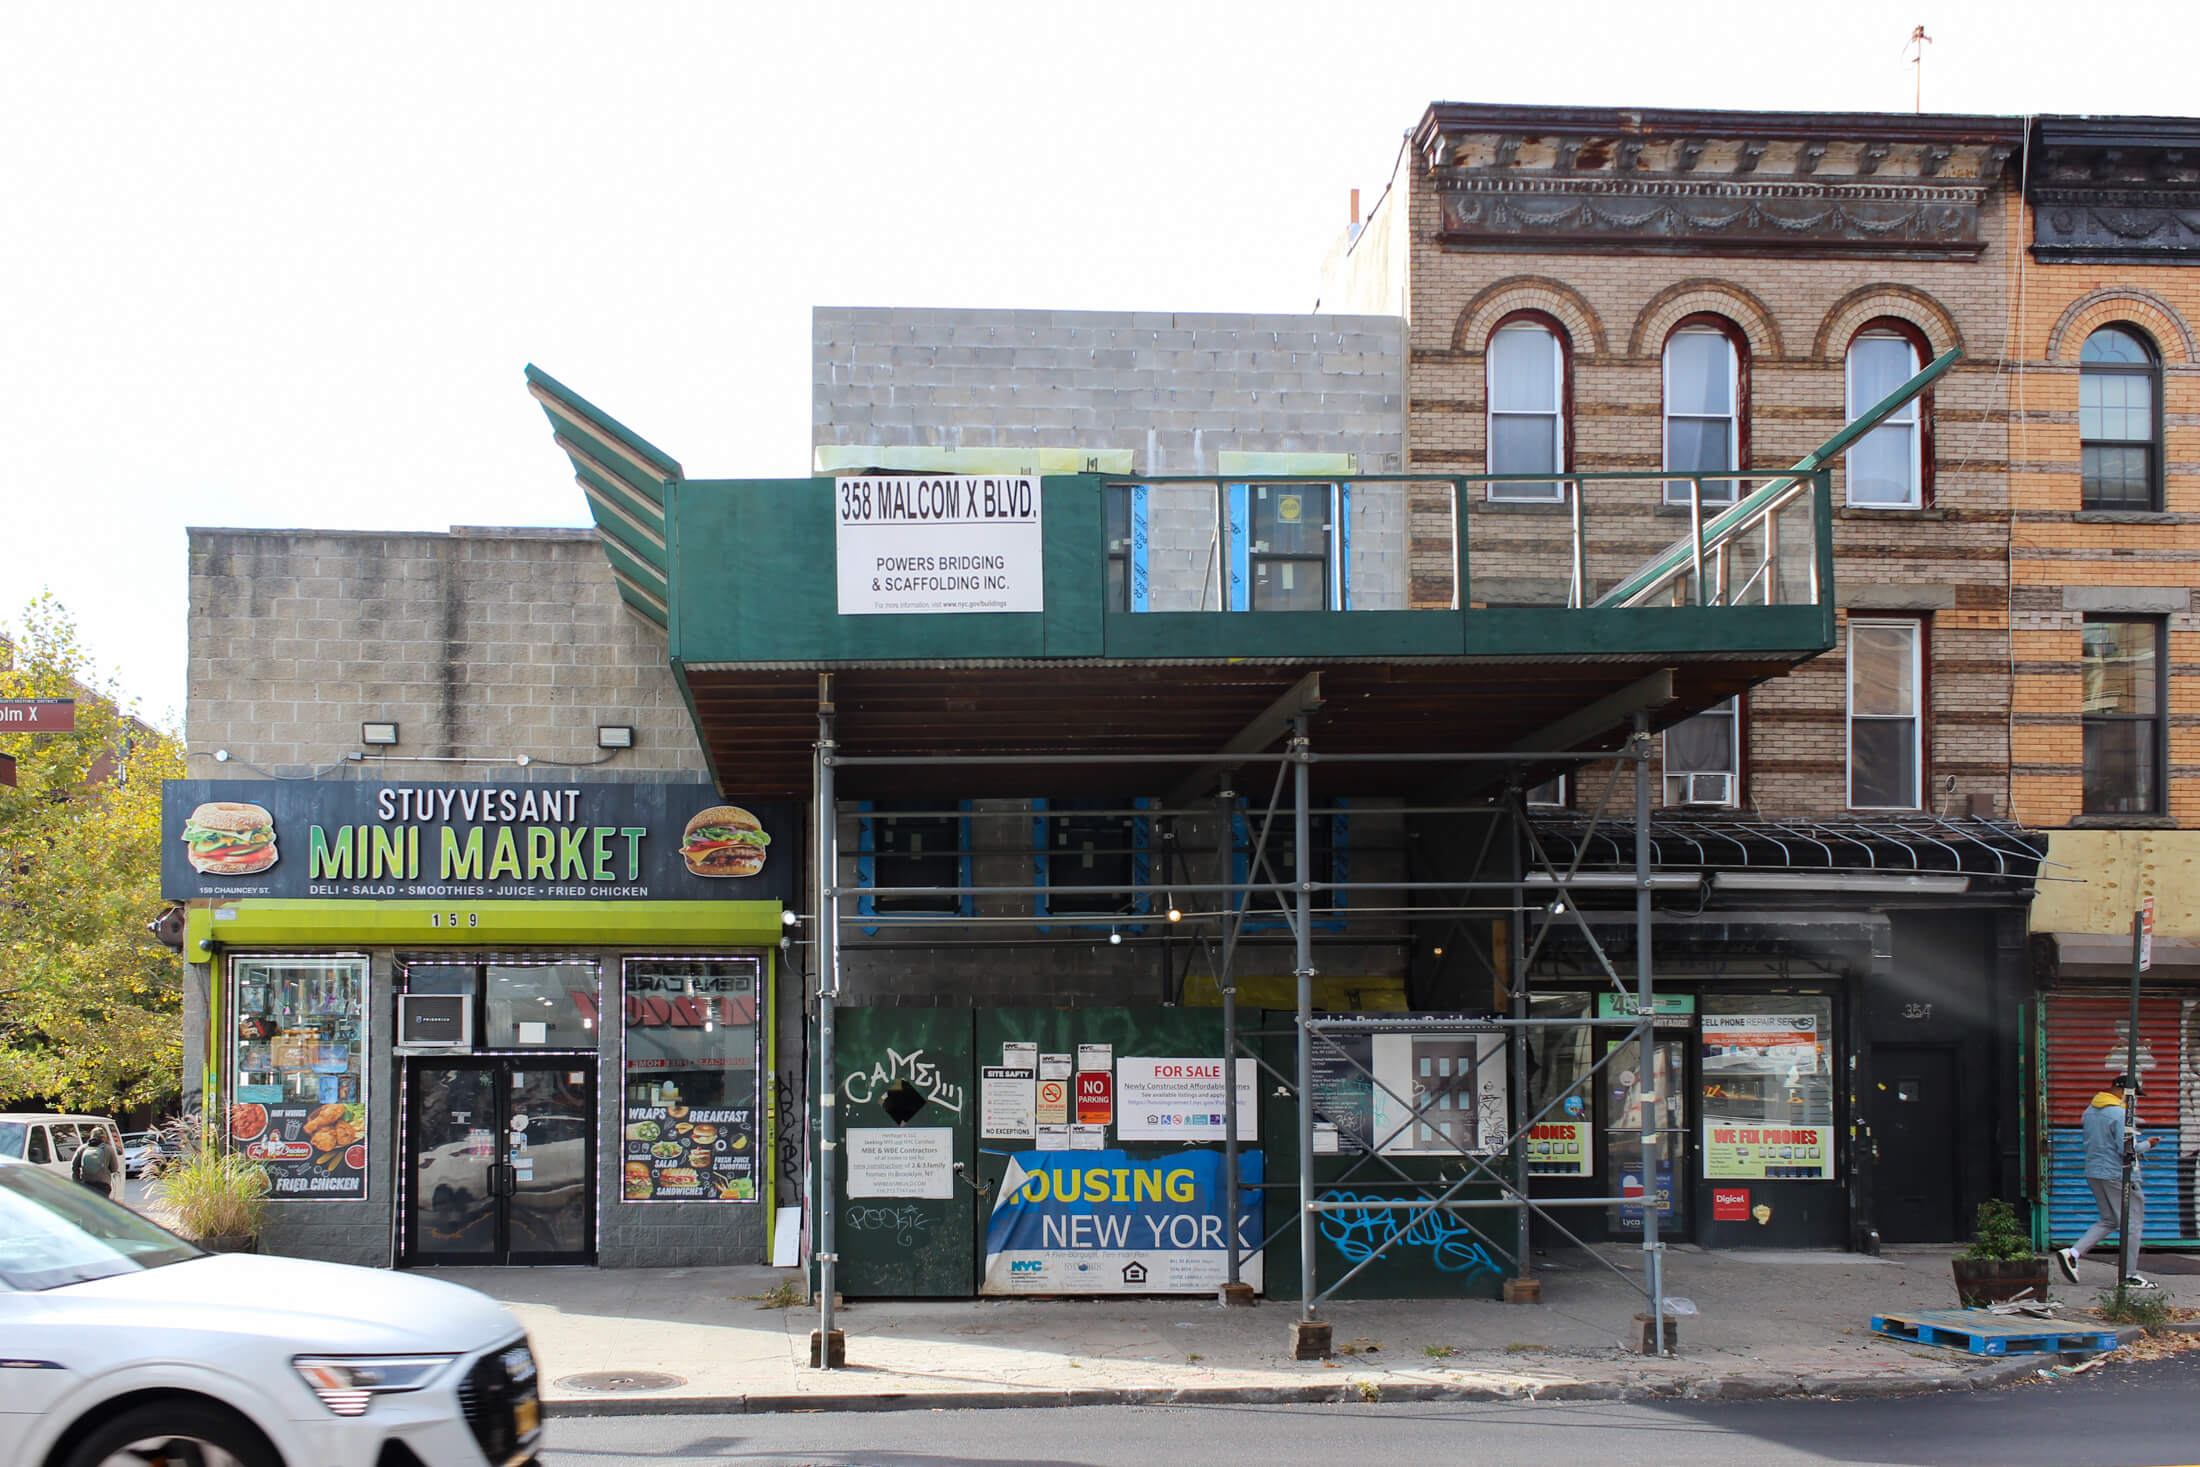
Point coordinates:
[[2142, 958]]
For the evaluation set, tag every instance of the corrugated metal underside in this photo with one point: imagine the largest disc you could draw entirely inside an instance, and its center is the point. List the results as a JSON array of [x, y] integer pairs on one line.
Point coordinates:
[[760, 724], [626, 480], [1068, 668]]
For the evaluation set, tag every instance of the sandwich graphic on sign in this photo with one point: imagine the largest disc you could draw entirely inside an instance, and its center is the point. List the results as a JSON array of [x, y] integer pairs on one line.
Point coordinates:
[[724, 840], [230, 838]]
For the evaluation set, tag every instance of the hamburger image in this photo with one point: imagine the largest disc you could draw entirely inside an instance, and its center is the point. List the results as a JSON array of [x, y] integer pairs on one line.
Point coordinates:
[[229, 838], [724, 840]]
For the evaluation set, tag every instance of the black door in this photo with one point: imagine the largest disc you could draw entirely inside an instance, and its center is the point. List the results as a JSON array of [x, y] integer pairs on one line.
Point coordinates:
[[1913, 1120], [503, 1161]]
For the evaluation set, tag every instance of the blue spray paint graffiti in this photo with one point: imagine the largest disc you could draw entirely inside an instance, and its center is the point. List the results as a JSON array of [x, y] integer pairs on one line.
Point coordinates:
[[1453, 1245]]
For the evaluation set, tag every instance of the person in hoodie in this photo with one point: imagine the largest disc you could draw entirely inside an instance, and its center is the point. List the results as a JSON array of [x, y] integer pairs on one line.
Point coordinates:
[[2105, 1125]]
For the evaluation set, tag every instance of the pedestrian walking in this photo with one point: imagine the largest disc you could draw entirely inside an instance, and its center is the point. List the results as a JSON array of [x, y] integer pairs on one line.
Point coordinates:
[[2108, 1129], [96, 1163]]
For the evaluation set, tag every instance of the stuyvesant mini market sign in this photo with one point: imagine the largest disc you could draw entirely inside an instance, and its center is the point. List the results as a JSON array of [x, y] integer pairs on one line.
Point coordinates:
[[920, 544], [366, 839]]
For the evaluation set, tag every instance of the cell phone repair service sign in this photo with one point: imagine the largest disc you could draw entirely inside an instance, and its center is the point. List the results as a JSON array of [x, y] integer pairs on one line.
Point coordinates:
[[920, 544]]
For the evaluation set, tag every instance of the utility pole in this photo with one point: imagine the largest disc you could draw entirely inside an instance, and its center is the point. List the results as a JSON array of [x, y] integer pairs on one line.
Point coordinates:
[[2142, 958]]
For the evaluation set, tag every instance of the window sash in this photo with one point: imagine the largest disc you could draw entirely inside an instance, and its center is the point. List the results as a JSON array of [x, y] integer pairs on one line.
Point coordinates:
[[1885, 468], [1886, 747], [2122, 704], [1702, 413], [1536, 417], [935, 861]]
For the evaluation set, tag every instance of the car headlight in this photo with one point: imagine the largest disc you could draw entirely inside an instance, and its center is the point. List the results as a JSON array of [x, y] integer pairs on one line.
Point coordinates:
[[348, 1384]]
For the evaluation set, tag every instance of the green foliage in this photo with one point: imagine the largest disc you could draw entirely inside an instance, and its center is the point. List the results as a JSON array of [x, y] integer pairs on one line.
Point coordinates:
[[208, 1191], [2000, 1237], [90, 1002], [2144, 1307]]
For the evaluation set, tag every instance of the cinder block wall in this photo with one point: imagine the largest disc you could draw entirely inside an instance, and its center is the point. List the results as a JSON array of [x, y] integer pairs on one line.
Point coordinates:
[[1175, 389], [1946, 562], [480, 642]]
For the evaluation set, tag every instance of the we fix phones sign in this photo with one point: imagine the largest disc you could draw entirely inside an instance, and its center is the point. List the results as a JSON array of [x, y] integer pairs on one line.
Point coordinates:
[[1095, 1098]]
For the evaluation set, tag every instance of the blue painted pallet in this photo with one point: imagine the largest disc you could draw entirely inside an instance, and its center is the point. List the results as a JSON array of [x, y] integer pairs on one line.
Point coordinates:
[[1982, 1332]]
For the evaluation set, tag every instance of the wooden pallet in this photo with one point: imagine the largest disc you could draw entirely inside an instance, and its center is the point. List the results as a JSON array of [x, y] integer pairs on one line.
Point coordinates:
[[1982, 1332]]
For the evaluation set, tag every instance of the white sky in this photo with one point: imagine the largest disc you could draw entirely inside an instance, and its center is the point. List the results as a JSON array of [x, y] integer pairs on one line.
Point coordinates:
[[281, 264]]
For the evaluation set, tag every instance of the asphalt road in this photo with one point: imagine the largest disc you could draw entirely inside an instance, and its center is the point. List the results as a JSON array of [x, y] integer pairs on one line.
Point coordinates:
[[2139, 1415]]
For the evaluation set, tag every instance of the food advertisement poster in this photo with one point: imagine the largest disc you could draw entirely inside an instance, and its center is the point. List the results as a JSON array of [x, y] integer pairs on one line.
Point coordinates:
[[309, 1149], [677, 1154], [1181, 1100], [1560, 1149], [366, 839], [924, 544], [1105, 1222]]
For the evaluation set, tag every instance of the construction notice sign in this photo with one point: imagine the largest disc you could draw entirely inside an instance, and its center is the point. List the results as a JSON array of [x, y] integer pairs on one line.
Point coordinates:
[[37, 715], [1053, 1103], [925, 543], [1095, 1098]]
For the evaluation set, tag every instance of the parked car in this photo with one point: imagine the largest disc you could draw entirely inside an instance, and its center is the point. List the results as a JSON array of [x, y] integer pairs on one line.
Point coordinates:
[[51, 1141], [144, 1151], [127, 1344]]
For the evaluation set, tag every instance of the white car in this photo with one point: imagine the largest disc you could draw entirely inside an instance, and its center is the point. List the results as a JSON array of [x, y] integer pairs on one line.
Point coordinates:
[[122, 1344]]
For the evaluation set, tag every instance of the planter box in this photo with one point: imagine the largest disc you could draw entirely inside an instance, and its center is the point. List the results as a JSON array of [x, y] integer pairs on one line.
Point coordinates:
[[1983, 1281]]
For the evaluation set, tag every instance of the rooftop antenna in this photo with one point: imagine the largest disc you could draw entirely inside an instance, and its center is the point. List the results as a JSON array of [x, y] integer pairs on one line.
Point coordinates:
[[1920, 40]]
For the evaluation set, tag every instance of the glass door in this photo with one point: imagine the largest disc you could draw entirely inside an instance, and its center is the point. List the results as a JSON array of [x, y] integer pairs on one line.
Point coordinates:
[[1627, 1088], [502, 1161]]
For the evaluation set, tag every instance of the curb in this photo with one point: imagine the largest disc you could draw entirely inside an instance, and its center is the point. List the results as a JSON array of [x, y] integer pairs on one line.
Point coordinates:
[[1720, 1388]]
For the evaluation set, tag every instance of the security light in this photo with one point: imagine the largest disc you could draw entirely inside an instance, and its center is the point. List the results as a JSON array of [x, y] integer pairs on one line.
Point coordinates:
[[377, 735], [614, 736]]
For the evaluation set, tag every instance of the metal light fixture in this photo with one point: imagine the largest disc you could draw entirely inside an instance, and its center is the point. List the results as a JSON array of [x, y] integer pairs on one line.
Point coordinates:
[[1115, 938], [614, 736], [378, 735]]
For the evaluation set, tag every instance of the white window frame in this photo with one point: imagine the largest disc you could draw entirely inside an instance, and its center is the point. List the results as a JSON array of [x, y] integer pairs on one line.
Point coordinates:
[[1676, 493], [1525, 493], [1669, 776], [1909, 417], [1558, 783], [1916, 628]]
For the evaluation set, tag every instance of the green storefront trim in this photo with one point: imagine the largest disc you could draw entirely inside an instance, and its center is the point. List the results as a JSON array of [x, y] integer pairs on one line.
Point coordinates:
[[412, 922]]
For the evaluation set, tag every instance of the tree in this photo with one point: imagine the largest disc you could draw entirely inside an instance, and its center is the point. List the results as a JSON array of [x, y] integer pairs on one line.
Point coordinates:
[[90, 1001]]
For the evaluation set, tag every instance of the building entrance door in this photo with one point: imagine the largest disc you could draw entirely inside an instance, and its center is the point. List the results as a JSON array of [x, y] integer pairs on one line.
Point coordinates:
[[1913, 1120], [1627, 1086], [502, 1163]]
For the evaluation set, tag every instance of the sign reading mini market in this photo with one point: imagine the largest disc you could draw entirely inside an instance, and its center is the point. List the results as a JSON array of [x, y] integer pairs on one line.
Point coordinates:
[[925, 544], [650, 842]]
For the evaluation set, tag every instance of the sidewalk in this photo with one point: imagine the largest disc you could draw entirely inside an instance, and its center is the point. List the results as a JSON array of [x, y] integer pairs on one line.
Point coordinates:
[[1769, 1323]]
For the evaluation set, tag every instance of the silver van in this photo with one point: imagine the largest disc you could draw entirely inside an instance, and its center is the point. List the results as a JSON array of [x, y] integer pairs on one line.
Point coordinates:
[[52, 1141]]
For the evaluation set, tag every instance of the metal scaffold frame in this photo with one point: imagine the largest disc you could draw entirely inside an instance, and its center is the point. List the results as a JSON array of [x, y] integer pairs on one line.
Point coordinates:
[[1553, 891]]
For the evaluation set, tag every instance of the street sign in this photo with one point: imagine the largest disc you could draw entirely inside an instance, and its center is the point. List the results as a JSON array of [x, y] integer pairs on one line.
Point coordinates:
[[1095, 1098], [37, 715], [7, 771], [2146, 934]]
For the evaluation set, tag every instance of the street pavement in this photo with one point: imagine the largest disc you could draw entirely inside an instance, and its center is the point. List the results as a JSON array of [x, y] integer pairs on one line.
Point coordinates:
[[1769, 1322], [2132, 1415]]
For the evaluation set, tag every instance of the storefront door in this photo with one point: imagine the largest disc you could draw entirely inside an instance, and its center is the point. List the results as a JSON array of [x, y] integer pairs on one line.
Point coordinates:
[[1913, 1119], [502, 1162], [1626, 1088]]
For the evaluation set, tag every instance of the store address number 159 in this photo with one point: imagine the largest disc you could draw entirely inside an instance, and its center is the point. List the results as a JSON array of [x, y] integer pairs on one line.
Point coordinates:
[[454, 919]]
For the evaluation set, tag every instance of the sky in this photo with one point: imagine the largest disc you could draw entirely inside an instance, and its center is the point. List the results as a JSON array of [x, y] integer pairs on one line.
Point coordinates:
[[281, 265]]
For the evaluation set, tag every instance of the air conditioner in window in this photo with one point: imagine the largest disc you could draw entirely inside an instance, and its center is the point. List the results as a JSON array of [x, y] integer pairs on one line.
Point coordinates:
[[1710, 789]]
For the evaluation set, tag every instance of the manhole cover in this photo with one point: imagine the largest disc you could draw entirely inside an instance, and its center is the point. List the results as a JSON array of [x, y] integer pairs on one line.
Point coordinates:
[[621, 1380]]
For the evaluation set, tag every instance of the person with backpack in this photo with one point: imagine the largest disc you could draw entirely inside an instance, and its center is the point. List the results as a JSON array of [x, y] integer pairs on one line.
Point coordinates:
[[95, 1163], [2111, 1141]]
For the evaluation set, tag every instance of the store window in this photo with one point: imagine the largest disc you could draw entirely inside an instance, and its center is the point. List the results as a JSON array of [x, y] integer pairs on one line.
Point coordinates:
[[1703, 757], [1886, 694], [1767, 1071], [2124, 751], [518, 1004], [1526, 364], [298, 1092], [1560, 1091], [1096, 845], [690, 1065]]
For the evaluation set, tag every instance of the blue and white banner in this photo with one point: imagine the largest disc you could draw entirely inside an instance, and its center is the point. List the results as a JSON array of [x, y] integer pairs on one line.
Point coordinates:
[[1104, 1222]]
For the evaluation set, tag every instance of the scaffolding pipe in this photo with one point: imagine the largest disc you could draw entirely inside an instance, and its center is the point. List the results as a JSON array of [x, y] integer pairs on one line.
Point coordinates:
[[826, 847], [1303, 971], [1227, 982], [1645, 1015]]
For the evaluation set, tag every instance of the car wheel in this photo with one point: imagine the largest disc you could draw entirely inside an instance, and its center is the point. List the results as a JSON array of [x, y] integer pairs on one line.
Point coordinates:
[[181, 1433]]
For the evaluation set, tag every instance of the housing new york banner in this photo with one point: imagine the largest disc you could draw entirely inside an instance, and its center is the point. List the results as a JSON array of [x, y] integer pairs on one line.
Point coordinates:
[[1104, 1222]]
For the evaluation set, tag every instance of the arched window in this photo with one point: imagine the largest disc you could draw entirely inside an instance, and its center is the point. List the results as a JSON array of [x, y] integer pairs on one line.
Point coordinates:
[[2119, 421], [1526, 366], [1888, 467], [1706, 406]]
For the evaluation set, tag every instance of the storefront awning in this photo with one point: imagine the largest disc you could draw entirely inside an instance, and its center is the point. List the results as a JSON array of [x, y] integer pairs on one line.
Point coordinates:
[[273, 923], [1901, 853]]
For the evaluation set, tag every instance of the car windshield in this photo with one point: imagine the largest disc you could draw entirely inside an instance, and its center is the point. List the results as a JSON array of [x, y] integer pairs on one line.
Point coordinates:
[[11, 1138], [54, 1232]]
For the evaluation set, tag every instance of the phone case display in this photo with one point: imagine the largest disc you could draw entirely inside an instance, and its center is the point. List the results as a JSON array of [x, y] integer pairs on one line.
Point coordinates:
[[689, 1127], [299, 1093], [1768, 1091]]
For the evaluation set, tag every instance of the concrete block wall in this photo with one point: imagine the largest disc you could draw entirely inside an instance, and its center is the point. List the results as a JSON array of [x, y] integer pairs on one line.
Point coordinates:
[[1185, 558], [1947, 562], [477, 643], [1174, 389]]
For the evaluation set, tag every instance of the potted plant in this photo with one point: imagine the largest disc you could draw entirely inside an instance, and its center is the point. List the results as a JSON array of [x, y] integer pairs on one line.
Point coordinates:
[[2001, 1263], [212, 1196]]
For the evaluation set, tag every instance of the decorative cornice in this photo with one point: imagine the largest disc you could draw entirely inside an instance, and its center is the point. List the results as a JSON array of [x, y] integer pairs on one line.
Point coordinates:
[[1727, 183], [2116, 190]]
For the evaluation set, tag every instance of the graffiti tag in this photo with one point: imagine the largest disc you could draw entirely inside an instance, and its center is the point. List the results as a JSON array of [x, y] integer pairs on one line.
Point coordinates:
[[1358, 1234], [905, 1223], [865, 1086]]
